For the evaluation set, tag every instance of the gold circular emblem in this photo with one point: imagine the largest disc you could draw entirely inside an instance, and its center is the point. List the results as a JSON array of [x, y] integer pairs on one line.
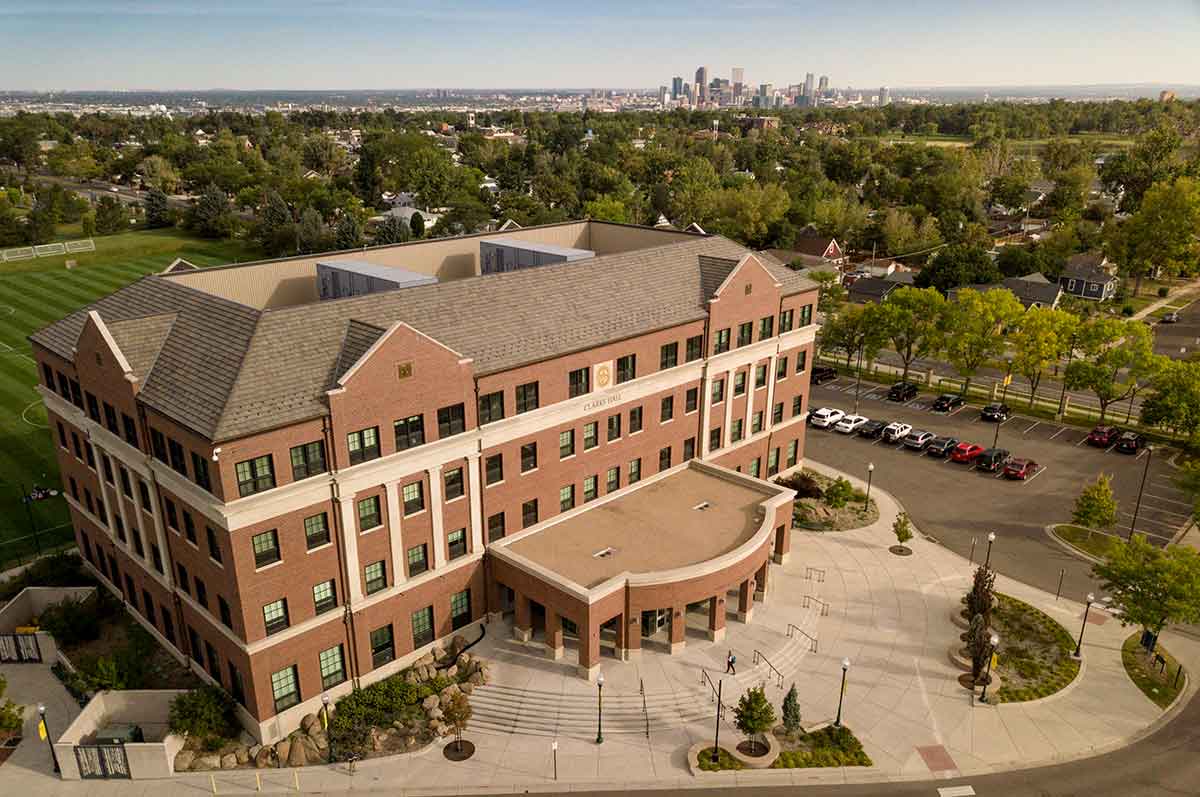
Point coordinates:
[[603, 376]]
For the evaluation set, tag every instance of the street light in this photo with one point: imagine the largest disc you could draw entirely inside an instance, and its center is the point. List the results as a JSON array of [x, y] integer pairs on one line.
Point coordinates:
[[325, 723], [49, 737], [1087, 608], [994, 641], [717, 733], [842, 694], [1138, 505], [870, 473], [988, 559], [600, 709]]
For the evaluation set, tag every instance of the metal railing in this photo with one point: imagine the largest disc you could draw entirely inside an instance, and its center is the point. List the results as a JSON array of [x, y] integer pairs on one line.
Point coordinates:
[[645, 712], [814, 573], [705, 678], [758, 656], [812, 640], [813, 598]]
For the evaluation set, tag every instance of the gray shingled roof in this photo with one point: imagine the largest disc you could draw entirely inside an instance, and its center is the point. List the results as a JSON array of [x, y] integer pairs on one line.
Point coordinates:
[[141, 339], [227, 370]]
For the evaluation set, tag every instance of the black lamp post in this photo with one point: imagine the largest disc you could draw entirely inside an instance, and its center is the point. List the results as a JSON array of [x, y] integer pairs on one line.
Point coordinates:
[[1137, 507], [600, 709], [994, 641], [717, 733], [988, 559], [870, 473], [1087, 608], [842, 694], [49, 736]]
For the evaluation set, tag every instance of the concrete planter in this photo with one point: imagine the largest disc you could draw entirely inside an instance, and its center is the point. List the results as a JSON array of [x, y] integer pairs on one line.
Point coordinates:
[[749, 762]]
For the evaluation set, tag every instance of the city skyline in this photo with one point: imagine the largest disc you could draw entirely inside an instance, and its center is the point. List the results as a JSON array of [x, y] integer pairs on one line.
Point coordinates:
[[328, 45]]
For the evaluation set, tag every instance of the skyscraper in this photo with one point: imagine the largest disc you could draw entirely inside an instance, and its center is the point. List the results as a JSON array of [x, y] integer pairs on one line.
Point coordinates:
[[809, 87], [885, 96], [676, 87], [702, 83], [824, 84], [663, 94], [737, 78]]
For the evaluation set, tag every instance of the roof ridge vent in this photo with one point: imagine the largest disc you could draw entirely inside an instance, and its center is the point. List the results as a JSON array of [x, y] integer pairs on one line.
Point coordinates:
[[604, 553], [703, 505]]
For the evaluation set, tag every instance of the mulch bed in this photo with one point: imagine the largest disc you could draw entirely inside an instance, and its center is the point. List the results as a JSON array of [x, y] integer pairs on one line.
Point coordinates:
[[901, 550], [753, 749], [458, 751]]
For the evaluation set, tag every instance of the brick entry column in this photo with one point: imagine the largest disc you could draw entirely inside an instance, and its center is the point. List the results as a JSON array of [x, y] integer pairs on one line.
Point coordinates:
[[745, 601], [589, 650], [760, 578], [522, 623], [716, 618], [678, 629], [632, 623], [783, 545], [554, 634]]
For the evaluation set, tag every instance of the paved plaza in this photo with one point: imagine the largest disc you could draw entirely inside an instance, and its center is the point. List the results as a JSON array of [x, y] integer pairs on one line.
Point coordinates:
[[888, 614]]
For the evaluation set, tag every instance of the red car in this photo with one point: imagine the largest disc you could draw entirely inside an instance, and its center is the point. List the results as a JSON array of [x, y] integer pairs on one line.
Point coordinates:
[[1103, 436], [965, 452], [1020, 469]]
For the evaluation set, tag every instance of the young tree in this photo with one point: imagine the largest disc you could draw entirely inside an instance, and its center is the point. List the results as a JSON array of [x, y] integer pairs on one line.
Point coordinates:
[[12, 715], [457, 712], [1153, 587], [974, 323], [158, 209], [1096, 508], [1174, 399], [902, 528], [754, 714], [417, 224], [1119, 357], [791, 711], [607, 208], [912, 319], [979, 600], [830, 293], [1043, 336], [1188, 480], [392, 230], [977, 646]]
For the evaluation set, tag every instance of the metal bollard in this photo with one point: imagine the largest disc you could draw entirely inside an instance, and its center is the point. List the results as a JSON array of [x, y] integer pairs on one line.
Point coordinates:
[[213, 782], [1061, 574], [972, 557]]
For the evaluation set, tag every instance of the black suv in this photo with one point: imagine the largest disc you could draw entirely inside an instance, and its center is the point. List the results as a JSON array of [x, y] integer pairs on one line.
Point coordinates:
[[1130, 442], [941, 446], [872, 429], [822, 374], [947, 402], [902, 391], [995, 412], [993, 459]]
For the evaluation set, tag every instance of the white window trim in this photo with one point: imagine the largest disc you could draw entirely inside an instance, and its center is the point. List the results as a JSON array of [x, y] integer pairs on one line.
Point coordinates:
[[276, 563], [321, 547]]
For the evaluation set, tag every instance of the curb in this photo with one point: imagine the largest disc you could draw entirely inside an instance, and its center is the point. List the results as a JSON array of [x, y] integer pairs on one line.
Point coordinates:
[[1068, 546]]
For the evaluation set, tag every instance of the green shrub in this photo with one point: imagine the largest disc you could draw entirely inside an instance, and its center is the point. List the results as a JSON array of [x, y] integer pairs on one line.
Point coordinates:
[[1163, 291], [724, 760], [378, 705], [838, 494], [11, 715], [207, 712], [59, 570], [1127, 309], [804, 485], [72, 621]]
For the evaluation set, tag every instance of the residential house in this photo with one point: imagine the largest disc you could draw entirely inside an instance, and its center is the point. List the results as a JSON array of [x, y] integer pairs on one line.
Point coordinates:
[[1089, 276], [870, 289]]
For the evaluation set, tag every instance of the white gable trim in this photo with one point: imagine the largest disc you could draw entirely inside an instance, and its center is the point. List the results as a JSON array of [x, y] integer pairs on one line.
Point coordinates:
[[111, 341], [352, 370]]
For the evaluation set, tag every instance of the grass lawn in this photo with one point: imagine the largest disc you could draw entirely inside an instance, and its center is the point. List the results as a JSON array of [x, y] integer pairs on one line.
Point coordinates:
[[1162, 688], [33, 294], [1093, 543], [1034, 659]]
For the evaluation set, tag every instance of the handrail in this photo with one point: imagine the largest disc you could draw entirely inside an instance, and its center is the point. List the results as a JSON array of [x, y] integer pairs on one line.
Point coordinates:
[[758, 656], [645, 712], [824, 605], [809, 572], [704, 676], [812, 640]]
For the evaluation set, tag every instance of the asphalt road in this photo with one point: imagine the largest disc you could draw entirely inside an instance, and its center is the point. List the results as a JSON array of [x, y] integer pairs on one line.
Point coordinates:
[[1180, 340]]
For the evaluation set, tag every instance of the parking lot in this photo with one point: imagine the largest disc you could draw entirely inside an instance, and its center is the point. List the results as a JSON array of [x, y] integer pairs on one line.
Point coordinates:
[[957, 503]]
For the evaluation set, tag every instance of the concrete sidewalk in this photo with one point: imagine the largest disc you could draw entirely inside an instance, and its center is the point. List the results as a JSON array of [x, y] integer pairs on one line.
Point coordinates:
[[888, 614]]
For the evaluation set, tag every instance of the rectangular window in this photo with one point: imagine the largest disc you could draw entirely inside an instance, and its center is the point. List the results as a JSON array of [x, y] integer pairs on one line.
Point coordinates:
[[414, 498], [689, 449], [801, 361], [773, 462], [755, 466], [74, 487], [194, 645], [460, 609], [333, 666], [255, 475], [383, 648], [137, 543], [418, 560], [363, 445], [739, 383], [786, 318], [308, 460], [201, 591], [108, 469], [666, 409], [745, 333], [664, 458], [529, 513], [200, 471], [566, 444], [491, 407], [48, 375], [156, 557], [579, 382], [760, 376], [368, 513], [90, 455], [184, 581], [626, 368], [668, 356], [144, 493], [93, 408], [694, 349], [591, 435], [120, 526], [266, 548], [635, 470], [178, 460], [456, 543], [777, 413], [590, 488], [527, 397], [168, 626], [718, 391], [158, 445], [275, 616], [410, 432], [635, 420], [493, 470], [62, 435], [110, 418], [495, 527], [324, 596], [691, 400], [64, 387], [528, 457], [422, 627], [806, 315], [376, 575], [714, 439], [214, 547], [736, 430], [566, 498], [126, 485], [721, 341], [756, 422], [189, 527], [452, 420], [793, 452], [781, 368], [614, 427], [766, 327], [148, 606], [237, 689], [797, 405], [316, 531], [78, 448], [454, 484], [76, 394], [131, 435], [612, 480]]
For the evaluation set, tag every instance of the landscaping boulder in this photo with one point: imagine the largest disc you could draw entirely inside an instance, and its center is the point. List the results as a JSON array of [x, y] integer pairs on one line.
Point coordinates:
[[229, 761], [262, 759], [242, 753], [435, 714], [410, 742], [282, 748], [430, 703], [410, 677], [466, 687], [476, 678], [253, 750], [296, 753], [308, 722], [314, 729], [435, 726], [183, 760], [448, 692], [206, 762], [312, 752], [425, 660], [457, 643], [451, 671]]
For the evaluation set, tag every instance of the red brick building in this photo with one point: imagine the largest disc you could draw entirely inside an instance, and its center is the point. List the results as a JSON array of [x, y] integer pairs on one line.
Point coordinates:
[[301, 494]]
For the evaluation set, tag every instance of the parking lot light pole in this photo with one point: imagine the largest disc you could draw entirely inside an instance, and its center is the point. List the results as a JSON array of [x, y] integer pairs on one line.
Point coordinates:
[[842, 693], [994, 641], [987, 561], [996, 436], [1087, 608], [870, 473], [1137, 507], [600, 709]]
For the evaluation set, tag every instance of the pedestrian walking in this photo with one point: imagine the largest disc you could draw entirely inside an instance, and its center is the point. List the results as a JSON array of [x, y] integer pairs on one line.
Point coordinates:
[[730, 661]]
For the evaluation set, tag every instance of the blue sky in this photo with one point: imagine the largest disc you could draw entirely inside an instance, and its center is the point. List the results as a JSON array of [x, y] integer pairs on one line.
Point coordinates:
[[318, 44]]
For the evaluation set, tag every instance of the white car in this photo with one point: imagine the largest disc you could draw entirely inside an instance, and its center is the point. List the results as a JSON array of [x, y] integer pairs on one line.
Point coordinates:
[[826, 417], [850, 424], [895, 432]]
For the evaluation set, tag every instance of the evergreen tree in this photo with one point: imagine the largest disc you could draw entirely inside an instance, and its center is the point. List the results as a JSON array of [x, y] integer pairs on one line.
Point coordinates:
[[311, 232], [418, 225], [158, 210], [211, 214], [392, 230], [348, 234], [791, 711], [110, 215]]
